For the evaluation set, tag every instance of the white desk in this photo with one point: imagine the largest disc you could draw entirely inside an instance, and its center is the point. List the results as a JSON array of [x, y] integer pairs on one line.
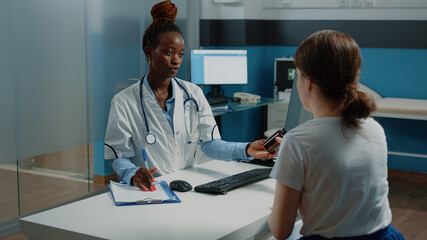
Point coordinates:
[[241, 214]]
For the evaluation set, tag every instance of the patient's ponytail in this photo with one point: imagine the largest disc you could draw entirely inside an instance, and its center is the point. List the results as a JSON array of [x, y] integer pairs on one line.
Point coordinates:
[[355, 105], [332, 61]]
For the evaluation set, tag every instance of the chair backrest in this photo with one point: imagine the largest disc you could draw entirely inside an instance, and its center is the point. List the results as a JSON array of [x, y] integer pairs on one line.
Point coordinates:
[[296, 112]]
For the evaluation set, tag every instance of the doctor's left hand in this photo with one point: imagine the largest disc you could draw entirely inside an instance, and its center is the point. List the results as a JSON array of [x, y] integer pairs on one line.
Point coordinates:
[[257, 150]]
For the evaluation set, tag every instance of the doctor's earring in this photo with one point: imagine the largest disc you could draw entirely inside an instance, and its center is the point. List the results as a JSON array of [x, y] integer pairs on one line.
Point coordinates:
[[149, 60]]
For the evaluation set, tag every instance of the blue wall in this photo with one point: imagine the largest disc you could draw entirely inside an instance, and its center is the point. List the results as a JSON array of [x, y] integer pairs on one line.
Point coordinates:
[[394, 72], [391, 72]]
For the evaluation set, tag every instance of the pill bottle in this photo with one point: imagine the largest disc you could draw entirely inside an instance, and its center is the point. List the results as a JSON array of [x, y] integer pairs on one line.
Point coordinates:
[[270, 144]]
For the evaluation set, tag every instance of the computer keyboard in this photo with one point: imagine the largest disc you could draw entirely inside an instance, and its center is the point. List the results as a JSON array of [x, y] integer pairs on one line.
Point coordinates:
[[216, 101], [268, 162], [234, 181]]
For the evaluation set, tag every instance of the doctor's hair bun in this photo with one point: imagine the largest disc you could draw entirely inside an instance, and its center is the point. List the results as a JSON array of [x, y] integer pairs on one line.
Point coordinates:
[[164, 14], [165, 10]]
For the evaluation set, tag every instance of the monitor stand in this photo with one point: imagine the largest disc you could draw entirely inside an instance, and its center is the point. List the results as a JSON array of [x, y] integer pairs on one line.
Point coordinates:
[[215, 97]]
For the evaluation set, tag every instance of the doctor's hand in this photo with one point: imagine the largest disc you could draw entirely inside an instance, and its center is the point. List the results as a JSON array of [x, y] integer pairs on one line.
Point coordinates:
[[256, 150], [143, 179]]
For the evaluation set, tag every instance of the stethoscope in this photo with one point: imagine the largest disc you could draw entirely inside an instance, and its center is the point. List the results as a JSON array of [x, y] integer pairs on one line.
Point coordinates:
[[150, 138]]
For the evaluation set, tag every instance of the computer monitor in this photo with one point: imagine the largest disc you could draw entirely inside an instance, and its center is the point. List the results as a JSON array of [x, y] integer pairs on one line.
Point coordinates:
[[217, 67], [284, 73], [296, 111]]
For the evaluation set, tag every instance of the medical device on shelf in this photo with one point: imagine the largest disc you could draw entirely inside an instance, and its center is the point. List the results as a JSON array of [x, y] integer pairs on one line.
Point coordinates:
[[247, 97]]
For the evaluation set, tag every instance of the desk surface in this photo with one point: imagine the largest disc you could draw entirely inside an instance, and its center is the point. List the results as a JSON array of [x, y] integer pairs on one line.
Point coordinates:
[[241, 106], [241, 214]]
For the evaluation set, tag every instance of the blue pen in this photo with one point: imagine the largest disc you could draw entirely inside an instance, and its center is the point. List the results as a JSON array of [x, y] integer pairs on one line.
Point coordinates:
[[144, 155]]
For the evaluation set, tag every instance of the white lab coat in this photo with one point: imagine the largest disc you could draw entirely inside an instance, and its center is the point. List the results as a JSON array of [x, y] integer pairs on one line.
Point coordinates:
[[126, 129]]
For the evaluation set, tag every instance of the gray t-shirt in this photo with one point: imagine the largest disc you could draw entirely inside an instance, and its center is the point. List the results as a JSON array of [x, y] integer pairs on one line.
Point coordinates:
[[342, 174]]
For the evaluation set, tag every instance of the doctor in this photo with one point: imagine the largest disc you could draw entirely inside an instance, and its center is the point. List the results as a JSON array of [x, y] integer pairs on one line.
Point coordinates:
[[156, 125]]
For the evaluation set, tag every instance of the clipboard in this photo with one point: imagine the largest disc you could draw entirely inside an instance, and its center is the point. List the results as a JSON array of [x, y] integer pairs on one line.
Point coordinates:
[[124, 194]]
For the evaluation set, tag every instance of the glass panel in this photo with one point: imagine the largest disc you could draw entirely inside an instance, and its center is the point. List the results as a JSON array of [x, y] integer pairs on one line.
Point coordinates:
[[8, 170], [7, 101], [51, 104], [49, 45], [113, 53], [61, 62], [53, 178], [9, 188]]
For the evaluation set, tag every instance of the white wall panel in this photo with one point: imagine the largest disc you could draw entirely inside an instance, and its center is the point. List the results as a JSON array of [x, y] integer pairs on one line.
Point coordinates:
[[344, 3], [210, 9], [254, 9]]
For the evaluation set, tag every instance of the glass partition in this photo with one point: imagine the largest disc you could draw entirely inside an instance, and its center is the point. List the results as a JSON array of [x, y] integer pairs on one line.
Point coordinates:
[[61, 62], [9, 187], [50, 179]]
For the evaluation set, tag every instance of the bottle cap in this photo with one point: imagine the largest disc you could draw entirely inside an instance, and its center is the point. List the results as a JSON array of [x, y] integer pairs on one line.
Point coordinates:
[[283, 131]]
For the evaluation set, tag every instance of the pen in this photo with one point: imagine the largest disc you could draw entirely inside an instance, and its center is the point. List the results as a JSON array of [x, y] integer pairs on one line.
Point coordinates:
[[144, 155]]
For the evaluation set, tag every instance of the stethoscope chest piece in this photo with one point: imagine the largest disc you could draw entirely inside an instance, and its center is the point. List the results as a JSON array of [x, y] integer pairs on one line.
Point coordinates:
[[150, 138]]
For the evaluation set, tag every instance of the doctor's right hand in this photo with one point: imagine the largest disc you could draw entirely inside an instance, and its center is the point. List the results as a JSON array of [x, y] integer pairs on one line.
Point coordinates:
[[143, 179]]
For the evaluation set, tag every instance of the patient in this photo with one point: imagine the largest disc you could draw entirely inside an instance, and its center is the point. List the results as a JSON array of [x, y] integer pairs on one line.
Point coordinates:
[[333, 168]]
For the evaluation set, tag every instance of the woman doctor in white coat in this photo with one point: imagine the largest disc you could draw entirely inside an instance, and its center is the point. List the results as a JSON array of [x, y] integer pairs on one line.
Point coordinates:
[[155, 125]]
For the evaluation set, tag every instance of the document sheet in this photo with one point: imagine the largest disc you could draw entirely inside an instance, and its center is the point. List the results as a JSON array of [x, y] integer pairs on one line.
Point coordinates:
[[123, 193]]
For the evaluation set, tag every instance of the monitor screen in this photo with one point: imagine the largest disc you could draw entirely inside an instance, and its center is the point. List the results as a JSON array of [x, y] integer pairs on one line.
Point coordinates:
[[284, 73], [218, 67]]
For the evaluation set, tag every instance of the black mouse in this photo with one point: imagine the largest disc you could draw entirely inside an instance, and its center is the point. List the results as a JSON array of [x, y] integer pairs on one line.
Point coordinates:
[[180, 185], [236, 99]]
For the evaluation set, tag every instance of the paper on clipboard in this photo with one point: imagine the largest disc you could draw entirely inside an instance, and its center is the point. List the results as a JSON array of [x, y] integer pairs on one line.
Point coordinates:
[[125, 194]]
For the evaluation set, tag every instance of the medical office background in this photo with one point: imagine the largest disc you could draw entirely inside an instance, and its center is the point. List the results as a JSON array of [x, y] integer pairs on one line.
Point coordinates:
[[62, 61]]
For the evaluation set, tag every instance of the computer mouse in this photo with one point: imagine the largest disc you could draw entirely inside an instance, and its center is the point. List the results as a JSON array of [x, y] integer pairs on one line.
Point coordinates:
[[180, 186], [236, 99]]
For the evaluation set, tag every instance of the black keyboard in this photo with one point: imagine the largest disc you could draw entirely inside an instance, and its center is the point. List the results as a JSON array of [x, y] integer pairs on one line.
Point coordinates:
[[234, 181], [216, 101], [268, 162]]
